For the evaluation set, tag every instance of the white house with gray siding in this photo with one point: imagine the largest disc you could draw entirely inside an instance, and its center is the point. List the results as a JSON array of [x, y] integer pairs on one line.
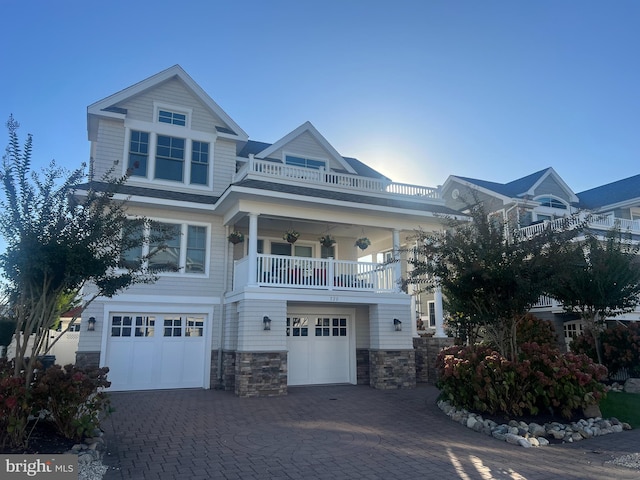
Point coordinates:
[[260, 315]]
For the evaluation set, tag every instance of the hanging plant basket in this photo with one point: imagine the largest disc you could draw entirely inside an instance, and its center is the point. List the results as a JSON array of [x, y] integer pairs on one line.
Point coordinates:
[[362, 243], [291, 236], [236, 237], [327, 241]]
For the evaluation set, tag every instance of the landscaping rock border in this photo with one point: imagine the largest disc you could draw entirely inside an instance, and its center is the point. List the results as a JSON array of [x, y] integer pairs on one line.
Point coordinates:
[[90, 453], [534, 434]]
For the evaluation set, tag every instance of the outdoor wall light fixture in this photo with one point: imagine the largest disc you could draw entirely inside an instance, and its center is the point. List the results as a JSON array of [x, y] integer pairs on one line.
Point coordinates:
[[398, 324], [267, 322], [92, 324]]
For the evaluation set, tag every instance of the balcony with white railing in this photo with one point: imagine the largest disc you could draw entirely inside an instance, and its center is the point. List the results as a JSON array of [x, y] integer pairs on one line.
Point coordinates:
[[265, 169], [597, 222], [315, 273]]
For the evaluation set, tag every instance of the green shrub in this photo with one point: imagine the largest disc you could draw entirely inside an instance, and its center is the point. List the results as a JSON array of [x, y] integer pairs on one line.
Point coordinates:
[[74, 399], [542, 379], [620, 347]]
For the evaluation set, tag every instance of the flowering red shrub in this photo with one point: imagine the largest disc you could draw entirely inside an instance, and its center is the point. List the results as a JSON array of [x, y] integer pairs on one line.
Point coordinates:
[[74, 398], [620, 347], [15, 407], [479, 379]]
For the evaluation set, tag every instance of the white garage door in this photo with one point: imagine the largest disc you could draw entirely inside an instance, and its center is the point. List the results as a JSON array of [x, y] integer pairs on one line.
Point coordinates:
[[146, 352], [318, 349]]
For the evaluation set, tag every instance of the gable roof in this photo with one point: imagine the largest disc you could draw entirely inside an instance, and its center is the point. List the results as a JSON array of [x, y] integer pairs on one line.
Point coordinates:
[[105, 107], [521, 187], [253, 147], [307, 127], [625, 191]]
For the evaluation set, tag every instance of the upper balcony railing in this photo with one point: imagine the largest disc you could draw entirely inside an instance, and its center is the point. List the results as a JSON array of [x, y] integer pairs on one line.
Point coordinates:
[[323, 177], [315, 273], [601, 222]]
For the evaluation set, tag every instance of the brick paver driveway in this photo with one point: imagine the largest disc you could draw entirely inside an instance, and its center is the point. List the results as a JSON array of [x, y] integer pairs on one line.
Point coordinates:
[[331, 432]]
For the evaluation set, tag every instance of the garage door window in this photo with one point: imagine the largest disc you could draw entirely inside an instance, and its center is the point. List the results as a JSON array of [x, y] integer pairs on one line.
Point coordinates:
[[331, 327], [128, 325], [297, 326], [172, 326], [195, 327]]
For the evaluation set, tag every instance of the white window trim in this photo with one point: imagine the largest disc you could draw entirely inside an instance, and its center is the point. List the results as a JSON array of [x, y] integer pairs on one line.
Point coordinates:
[[286, 154], [157, 106], [172, 131], [183, 247]]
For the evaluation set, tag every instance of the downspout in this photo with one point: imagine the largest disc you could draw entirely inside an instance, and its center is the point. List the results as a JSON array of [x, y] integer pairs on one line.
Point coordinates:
[[223, 307]]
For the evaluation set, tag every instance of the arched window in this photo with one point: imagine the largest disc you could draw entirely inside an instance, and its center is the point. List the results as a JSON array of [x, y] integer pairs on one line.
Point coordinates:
[[552, 202]]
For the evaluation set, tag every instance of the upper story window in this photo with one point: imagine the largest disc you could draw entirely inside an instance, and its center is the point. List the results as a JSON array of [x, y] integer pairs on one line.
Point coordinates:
[[170, 158], [138, 153], [199, 163], [176, 159], [551, 202], [305, 162], [173, 118]]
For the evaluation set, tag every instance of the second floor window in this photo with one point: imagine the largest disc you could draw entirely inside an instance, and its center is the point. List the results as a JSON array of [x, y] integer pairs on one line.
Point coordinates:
[[185, 249]]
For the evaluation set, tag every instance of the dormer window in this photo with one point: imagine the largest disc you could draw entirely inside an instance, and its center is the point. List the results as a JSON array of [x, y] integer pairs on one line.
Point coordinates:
[[172, 118], [551, 202], [305, 162]]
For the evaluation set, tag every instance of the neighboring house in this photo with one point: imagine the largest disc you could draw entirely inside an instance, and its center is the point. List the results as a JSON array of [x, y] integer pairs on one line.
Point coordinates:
[[263, 314], [529, 203]]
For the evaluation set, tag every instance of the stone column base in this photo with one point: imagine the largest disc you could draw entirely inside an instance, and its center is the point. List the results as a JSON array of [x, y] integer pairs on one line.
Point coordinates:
[[261, 374], [392, 369]]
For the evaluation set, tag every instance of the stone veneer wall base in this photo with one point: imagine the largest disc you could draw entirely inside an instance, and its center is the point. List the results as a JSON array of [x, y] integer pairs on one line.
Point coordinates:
[[427, 350], [392, 369], [261, 374]]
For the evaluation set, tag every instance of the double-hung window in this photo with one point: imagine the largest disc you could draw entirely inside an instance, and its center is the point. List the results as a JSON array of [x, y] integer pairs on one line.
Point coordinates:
[[171, 247], [138, 153], [199, 163], [196, 249], [165, 255], [170, 158]]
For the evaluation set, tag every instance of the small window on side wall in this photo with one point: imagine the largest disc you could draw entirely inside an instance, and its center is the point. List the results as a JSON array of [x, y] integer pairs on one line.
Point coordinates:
[[173, 118]]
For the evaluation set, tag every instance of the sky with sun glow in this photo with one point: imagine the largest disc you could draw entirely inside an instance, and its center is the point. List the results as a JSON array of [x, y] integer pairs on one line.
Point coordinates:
[[418, 90]]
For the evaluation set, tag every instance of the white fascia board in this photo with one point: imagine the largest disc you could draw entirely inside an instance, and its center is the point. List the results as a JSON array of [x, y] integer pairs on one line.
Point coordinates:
[[310, 296], [630, 203], [333, 203], [552, 173], [307, 127], [175, 71], [161, 304]]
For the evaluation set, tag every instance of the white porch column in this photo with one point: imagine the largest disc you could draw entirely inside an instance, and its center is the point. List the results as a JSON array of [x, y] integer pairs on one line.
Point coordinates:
[[437, 297], [396, 256], [253, 248]]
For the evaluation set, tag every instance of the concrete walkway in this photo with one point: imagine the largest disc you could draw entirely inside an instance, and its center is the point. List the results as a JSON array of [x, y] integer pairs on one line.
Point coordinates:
[[332, 432]]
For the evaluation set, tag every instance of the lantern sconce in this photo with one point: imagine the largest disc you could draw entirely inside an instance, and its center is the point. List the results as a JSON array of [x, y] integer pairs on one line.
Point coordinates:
[[266, 322], [398, 324], [92, 324]]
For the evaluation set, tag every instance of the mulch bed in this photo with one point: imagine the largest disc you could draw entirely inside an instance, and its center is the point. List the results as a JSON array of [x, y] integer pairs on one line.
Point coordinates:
[[43, 439]]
